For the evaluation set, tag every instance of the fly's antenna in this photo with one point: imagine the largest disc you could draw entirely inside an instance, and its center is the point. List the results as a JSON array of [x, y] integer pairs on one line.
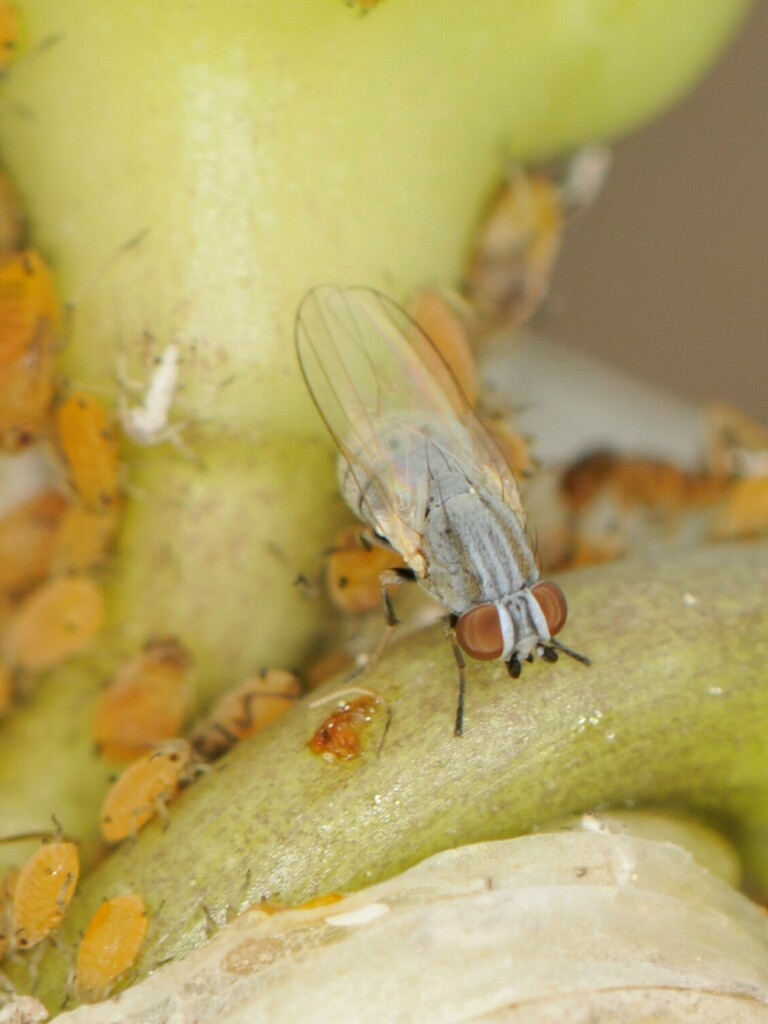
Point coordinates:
[[570, 652]]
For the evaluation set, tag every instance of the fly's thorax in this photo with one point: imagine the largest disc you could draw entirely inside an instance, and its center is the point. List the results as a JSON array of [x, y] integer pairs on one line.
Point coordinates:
[[476, 548]]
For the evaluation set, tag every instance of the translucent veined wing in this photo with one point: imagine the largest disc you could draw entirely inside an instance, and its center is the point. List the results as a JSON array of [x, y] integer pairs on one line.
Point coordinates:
[[392, 410]]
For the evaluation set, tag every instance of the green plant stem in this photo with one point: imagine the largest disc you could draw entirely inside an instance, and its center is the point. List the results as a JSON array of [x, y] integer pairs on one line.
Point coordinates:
[[673, 712]]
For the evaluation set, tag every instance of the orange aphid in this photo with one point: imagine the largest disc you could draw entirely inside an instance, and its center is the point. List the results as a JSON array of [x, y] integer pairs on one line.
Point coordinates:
[[338, 738], [109, 946], [144, 703], [513, 446], [45, 885], [28, 315], [445, 330], [637, 481], [511, 266], [11, 218], [326, 667], [738, 445], [144, 789], [6, 689], [516, 249], [89, 443], [245, 711], [7, 887], [59, 619], [9, 32], [26, 542], [354, 566], [745, 510], [83, 538], [614, 502]]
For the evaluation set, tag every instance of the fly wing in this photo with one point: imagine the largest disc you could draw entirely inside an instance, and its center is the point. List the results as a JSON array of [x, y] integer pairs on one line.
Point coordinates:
[[399, 418]]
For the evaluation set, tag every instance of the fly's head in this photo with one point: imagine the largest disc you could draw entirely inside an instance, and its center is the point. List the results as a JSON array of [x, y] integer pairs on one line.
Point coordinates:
[[516, 628]]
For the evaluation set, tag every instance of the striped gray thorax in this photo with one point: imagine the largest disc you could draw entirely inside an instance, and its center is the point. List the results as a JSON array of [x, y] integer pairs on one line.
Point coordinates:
[[474, 544]]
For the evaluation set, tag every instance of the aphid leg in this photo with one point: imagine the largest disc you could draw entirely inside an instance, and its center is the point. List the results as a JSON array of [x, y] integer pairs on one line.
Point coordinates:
[[137, 812], [173, 434], [33, 963], [126, 382], [549, 654], [245, 720], [160, 804], [514, 667], [63, 898], [461, 665]]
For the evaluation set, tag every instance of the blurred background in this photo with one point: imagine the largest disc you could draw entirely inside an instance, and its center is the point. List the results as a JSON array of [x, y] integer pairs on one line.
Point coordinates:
[[666, 276]]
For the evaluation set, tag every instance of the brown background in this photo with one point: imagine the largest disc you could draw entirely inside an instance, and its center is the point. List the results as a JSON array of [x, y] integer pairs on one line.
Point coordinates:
[[667, 276]]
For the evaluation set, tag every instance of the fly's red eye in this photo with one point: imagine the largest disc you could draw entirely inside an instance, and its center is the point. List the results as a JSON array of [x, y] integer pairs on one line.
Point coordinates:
[[478, 633], [551, 600]]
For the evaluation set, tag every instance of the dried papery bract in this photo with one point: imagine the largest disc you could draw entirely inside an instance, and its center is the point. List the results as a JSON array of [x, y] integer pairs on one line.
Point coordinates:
[[109, 946], [145, 702], [497, 924], [244, 711], [144, 789]]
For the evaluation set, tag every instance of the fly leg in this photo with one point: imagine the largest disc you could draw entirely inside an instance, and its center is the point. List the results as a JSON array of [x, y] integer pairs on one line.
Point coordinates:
[[461, 665], [390, 577]]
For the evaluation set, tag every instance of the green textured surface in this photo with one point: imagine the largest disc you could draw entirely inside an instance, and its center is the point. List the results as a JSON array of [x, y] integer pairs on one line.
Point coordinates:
[[665, 716]]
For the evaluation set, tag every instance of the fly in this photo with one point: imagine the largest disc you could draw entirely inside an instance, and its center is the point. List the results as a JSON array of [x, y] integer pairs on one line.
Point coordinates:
[[420, 469]]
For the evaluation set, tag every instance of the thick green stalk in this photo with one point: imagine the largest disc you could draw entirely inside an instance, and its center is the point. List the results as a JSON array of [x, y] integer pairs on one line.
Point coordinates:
[[673, 712]]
